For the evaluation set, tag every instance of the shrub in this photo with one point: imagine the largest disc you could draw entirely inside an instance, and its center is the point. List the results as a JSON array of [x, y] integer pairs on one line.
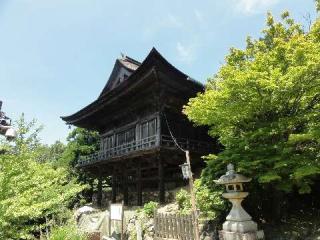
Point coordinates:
[[149, 208], [67, 232], [208, 201], [183, 201]]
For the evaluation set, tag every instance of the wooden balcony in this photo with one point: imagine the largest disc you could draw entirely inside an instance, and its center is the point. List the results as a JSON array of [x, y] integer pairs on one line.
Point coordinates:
[[141, 145]]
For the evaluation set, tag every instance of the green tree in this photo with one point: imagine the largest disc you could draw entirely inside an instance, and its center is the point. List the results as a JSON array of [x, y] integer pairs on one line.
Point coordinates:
[[208, 201], [51, 153], [27, 134], [30, 191], [80, 142], [264, 105]]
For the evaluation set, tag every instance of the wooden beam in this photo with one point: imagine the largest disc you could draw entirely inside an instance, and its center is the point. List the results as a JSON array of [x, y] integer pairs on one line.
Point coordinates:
[[125, 185], [161, 185], [114, 185], [99, 196], [139, 184]]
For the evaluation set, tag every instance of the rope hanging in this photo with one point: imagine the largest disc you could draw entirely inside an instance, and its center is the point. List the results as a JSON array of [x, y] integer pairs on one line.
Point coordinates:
[[173, 138]]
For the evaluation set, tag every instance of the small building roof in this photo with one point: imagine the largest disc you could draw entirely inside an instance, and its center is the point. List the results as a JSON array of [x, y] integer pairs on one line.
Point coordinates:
[[123, 64]]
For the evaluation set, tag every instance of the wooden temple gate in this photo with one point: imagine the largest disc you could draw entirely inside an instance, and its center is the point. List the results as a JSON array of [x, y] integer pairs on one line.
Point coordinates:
[[136, 114]]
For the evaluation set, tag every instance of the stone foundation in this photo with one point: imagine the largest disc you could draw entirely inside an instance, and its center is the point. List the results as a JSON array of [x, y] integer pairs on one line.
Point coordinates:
[[225, 235]]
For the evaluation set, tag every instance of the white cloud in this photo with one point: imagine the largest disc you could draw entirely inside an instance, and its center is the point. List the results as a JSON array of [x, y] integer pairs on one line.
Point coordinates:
[[171, 21], [253, 6], [156, 25], [199, 16], [186, 53]]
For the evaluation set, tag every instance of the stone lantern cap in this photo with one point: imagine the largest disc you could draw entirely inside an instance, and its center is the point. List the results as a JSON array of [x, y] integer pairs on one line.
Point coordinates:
[[232, 177]]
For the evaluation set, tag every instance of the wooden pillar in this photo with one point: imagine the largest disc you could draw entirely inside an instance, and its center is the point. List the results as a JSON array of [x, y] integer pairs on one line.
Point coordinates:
[[99, 196], [139, 184], [125, 185], [114, 185], [161, 180]]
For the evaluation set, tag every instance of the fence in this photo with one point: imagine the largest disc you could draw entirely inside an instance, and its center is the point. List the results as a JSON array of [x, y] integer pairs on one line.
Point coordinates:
[[173, 226]]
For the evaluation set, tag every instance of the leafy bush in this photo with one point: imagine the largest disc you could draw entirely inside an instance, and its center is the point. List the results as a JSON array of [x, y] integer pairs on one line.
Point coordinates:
[[149, 208], [183, 201], [67, 232], [31, 191], [208, 201]]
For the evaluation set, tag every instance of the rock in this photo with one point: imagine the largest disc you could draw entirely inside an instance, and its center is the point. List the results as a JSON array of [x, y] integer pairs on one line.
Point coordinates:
[[170, 208], [83, 210], [149, 223], [108, 238], [131, 227], [151, 228], [207, 238], [148, 238]]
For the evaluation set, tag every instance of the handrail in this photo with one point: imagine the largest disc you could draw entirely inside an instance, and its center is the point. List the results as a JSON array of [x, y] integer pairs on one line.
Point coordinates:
[[143, 144], [118, 151]]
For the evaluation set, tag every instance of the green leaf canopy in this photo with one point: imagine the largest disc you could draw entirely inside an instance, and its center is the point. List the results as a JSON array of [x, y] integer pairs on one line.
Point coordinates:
[[264, 105]]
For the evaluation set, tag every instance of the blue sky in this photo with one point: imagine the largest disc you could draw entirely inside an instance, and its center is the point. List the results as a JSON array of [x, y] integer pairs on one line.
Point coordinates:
[[56, 55]]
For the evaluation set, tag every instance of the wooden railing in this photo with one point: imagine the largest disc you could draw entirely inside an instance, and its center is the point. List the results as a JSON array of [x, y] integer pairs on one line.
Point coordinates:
[[173, 226], [143, 144], [118, 151]]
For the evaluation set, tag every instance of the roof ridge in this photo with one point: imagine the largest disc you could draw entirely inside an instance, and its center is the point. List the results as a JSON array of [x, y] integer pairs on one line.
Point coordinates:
[[130, 59]]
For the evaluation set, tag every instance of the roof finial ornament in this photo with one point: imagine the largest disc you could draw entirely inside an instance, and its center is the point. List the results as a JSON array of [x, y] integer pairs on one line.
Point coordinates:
[[123, 56], [230, 167]]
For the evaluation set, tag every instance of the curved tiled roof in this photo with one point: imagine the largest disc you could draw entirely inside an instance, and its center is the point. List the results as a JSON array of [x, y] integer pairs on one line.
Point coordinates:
[[136, 69]]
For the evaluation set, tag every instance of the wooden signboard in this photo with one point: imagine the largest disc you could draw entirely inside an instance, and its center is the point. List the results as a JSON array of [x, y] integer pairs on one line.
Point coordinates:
[[116, 211], [117, 214]]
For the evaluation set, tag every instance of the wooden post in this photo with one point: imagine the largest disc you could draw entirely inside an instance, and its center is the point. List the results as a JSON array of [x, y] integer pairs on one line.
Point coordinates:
[[40, 231], [122, 221], [109, 234], [47, 229], [161, 180], [125, 185], [193, 199], [114, 185], [99, 196], [139, 184]]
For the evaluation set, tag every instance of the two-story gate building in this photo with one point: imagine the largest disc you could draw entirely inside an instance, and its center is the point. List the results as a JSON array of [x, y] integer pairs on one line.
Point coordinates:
[[134, 114]]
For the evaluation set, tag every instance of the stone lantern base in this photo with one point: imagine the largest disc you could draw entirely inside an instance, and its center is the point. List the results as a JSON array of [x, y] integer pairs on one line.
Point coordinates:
[[225, 235]]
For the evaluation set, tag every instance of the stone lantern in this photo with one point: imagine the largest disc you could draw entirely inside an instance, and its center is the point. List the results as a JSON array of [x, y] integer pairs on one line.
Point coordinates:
[[238, 224]]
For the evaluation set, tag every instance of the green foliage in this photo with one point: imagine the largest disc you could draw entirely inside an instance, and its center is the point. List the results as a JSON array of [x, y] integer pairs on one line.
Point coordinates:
[[27, 134], [317, 5], [30, 191], [27, 137], [183, 201], [80, 142], [208, 200], [149, 208], [264, 105], [52, 153], [67, 232]]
